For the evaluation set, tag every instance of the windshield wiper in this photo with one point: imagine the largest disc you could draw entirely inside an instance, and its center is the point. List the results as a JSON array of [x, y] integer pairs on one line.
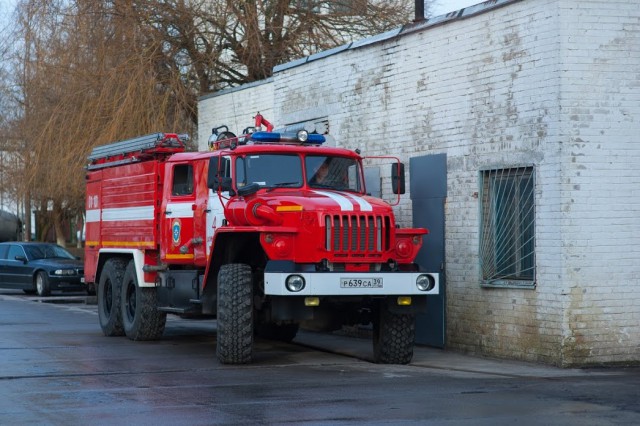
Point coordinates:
[[322, 185], [282, 185]]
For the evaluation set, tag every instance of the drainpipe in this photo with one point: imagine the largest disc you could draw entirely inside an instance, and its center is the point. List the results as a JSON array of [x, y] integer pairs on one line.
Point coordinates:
[[419, 11]]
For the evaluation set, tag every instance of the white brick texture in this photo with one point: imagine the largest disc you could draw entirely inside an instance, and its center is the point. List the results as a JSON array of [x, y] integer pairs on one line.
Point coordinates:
[[553, 84]]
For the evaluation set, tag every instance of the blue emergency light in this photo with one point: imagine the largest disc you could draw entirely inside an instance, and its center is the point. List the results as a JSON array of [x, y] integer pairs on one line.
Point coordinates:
[[299, 137]]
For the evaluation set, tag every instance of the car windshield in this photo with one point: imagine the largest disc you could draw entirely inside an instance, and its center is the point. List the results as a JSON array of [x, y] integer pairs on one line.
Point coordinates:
[[269, 170], [338, 173], [47, 251]]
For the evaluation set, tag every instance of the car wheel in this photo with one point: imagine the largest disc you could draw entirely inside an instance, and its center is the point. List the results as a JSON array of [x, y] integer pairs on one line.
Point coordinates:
[[235, 314], [140, 315], [109, 310], [42, 284]]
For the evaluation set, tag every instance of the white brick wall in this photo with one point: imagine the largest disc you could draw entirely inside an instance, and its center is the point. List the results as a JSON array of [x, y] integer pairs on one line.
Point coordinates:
[[234, 108], [550, 83], [601, 172]]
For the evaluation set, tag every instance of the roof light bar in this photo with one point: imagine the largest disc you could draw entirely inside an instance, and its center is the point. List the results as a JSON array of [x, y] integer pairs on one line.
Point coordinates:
[[299, 137]]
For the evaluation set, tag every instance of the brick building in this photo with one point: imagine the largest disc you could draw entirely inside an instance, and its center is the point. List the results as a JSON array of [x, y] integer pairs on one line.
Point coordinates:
[[536, 105]]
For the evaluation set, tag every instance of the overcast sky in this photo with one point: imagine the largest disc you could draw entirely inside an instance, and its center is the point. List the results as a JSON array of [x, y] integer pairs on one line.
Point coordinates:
[[441, 7], [6, 8]]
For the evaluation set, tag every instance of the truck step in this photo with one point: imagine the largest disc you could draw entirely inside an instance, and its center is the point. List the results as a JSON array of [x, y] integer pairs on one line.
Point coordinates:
[[179, 311]]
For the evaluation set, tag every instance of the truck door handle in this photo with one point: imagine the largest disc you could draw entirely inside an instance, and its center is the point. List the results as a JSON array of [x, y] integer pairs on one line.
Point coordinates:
[[167, 212]]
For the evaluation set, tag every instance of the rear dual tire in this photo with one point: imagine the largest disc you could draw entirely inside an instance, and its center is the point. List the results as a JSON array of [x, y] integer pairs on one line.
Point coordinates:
[[109, 289], [141, 319], [125, 308]]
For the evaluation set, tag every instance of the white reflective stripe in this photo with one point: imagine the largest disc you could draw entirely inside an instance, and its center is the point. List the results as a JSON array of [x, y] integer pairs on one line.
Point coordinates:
[[343, 202], [128, 213], [364, 204], [93, 215], [180, 209]]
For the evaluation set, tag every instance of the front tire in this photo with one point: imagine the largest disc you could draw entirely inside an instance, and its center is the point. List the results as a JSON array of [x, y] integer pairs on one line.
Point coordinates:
[[109, 287], [42, 284], [235, 314], [141, 318], [393, 336]]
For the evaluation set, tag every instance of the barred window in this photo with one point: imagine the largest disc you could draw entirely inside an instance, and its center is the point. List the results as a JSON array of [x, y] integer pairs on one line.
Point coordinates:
[[507, 230]]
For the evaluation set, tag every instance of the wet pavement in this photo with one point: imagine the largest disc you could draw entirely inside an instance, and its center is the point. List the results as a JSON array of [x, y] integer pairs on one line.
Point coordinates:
[[57, 368]]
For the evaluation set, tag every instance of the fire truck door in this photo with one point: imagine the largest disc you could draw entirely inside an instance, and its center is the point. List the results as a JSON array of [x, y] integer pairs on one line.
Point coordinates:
[[178, 208], [215, 216]]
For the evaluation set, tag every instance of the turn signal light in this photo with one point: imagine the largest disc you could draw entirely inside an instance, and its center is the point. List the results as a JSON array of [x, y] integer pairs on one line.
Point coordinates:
[[311, 301], [404, 300]]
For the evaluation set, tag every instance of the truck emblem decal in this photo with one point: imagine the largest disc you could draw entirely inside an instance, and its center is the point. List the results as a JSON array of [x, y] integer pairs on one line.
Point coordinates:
[[175, 231]]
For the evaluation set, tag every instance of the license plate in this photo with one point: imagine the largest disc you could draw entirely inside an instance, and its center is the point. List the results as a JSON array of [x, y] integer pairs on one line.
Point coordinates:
[[361, 282], [82, 279]]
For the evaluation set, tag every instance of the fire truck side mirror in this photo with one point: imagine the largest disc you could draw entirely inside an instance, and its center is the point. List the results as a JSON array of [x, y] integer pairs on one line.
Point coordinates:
[[397, 178], [216, 178]]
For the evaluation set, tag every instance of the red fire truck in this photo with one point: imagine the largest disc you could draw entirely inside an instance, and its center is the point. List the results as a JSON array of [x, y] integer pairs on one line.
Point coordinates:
[[265, 232]]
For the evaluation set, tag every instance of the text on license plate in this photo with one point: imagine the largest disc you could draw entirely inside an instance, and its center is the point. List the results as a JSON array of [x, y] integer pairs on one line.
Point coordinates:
[[361, 282]]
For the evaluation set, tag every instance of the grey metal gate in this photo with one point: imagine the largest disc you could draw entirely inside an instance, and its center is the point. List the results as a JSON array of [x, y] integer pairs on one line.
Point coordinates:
[[428, 187]]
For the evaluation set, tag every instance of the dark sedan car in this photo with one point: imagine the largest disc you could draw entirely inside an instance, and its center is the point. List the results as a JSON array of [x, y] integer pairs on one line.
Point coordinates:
[[39, 268]]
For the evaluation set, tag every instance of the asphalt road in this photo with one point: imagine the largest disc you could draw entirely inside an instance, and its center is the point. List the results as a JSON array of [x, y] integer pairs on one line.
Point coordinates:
[[56, 368]]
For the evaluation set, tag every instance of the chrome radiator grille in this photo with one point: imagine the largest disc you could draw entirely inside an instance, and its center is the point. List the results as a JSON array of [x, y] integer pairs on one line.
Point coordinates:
[[357, 233]]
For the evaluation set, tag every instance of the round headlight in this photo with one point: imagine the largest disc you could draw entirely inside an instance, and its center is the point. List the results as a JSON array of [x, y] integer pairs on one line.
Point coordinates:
[[425, 282], [294, 283]]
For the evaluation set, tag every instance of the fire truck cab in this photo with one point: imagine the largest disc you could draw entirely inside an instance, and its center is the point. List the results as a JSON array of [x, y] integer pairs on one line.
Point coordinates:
[[265, 232]]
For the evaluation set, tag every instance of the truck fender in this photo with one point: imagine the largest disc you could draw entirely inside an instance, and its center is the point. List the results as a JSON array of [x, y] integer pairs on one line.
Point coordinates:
[[135, 254]]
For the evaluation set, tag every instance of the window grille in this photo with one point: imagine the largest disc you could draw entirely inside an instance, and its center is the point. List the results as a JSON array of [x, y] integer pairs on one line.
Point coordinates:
[[507, 230]]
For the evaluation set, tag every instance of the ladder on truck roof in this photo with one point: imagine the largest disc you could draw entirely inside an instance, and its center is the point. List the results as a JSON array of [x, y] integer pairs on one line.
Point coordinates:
[[155, 145]]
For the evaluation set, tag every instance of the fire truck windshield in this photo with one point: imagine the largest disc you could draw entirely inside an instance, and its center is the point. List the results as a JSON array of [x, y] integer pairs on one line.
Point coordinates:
[[285, 170], [333, 172], [269, 170]]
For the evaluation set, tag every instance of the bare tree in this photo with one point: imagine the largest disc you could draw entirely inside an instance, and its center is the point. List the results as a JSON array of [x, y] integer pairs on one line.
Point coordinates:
[[222, 43], [94, 71], [88, 76]]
